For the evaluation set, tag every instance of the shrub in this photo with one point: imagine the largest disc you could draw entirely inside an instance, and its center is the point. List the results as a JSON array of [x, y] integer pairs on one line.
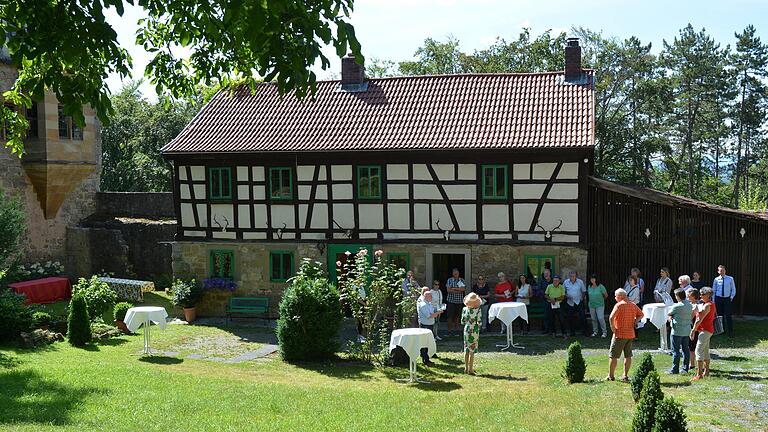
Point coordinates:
[[41, 319], [120, 310], [670, 417], [185, 294], [575, 367], [14, 316], [78, 321], [371, 289], [650, 396], [310, 316], [99, 297], [645, 367]]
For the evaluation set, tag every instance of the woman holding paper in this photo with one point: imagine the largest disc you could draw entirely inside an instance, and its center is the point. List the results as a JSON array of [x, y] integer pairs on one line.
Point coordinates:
[[663, 286]]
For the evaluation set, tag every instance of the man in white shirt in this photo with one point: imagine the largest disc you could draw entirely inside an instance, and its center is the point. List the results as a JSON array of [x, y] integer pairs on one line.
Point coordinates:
[[427, 315], [574, 294], [724, 288]]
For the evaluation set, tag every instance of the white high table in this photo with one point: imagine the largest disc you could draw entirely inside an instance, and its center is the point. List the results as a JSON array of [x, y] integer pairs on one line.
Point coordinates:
[[656, 313], [412, 340], [143, 316], [507, 312]]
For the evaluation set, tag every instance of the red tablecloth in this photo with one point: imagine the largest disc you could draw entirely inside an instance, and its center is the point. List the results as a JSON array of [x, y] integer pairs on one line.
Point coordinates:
[[46, 290]]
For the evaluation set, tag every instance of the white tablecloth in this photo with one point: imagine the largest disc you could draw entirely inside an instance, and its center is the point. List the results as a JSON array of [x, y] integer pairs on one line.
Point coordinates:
[[656, 313], [136, 316], [507, 312], [412, 340]]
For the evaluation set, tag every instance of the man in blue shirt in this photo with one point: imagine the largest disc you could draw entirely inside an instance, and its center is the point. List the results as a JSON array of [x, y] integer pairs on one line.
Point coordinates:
[[725, 290], [427, 314], [680, 317]]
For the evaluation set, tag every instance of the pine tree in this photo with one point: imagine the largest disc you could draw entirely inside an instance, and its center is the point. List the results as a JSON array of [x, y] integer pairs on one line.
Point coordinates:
[[636, 382], [575, 367], [78, 322], [650, 397], [670, 417]]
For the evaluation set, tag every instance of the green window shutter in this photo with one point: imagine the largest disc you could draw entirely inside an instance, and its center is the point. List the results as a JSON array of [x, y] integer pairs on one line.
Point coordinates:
[[400, 259], [369, 182], [281, 183], [222, 264], [280, 266], [220, 183], [495, 181]]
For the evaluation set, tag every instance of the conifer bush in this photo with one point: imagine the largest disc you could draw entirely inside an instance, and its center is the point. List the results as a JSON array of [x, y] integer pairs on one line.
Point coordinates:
[[650, 396], [575, 367], [78, 321], [670, 417], [310, 316], [637, 379]]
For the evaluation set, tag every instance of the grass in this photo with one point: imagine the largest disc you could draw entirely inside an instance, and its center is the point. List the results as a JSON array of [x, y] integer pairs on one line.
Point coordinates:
[[110, 387]]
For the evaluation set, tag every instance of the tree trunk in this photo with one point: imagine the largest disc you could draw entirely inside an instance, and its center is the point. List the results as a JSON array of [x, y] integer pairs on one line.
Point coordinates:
[[737, 179]]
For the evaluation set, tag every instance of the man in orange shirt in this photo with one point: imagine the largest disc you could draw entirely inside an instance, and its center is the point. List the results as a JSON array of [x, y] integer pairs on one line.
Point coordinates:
[[623, 319]]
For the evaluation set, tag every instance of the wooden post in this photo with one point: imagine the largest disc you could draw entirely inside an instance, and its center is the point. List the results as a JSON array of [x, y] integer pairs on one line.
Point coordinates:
[[742, 275]]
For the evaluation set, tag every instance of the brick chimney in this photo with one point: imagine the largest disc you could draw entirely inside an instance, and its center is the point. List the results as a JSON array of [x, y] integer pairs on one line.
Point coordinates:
[[572, 59], [352, 74]]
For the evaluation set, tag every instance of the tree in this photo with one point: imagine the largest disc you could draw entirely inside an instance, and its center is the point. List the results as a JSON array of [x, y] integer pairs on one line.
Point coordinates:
[[78, 322], [12, 226], [131, 143], [650, 397], [669, 417], [69, 48], [750, 63], [434, 58], [638, 378]]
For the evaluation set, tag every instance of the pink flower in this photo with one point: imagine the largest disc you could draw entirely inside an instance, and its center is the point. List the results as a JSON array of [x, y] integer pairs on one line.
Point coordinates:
[[379, 253], [338, 263], [363, 252]]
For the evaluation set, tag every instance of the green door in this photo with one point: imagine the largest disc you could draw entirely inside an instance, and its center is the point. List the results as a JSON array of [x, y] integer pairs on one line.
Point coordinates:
[[337, 252]]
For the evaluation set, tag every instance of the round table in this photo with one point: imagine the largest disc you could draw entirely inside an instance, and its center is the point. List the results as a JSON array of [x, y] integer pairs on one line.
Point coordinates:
[[656, 313], [143, 316], [507, 312], [412, 340]]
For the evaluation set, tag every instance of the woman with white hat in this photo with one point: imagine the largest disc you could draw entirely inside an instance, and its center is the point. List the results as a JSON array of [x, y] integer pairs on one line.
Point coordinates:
[[471, 317]]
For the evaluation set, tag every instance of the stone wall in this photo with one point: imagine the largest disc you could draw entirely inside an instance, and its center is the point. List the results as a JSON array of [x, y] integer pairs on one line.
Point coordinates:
[[45, 239], [153, 205], [192, 260]]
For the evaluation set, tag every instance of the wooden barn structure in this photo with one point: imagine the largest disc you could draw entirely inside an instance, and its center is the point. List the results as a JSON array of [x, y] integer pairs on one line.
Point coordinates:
[[631, 226]]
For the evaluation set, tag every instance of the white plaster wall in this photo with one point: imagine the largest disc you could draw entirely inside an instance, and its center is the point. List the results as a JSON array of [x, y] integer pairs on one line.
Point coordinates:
[[426, 191], [187, 218], [319, 216], [523, 216], [460, 191], [244, 216], [341, 172], [260, 216], [371, 216], [466, 216], [528, 191], [569, 171], [495, 217], [564, 191], [399, 216], [543, 171], [396, 191], [344, 215], [521, 171], [445, 172], [221, 211], [305, 172], [198, 173], [397, 172], [420, 172], [283, 214], [467, 171], [258, 173]]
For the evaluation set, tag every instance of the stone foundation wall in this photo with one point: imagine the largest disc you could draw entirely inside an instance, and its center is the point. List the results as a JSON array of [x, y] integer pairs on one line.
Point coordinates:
[[192, 260], [153, 205]]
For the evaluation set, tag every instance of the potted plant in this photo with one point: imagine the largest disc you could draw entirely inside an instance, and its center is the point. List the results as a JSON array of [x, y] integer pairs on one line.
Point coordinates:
[[120, 310], [186, 294]]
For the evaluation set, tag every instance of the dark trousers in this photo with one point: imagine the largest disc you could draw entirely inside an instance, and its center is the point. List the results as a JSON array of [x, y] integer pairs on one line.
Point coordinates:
[[424, 351], [680, 343], [574, 317], [556, 315], [548, 318], [723, 306]]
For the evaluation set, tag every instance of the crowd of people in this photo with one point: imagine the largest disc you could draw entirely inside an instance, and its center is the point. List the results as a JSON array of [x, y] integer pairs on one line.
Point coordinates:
[[691, 317]]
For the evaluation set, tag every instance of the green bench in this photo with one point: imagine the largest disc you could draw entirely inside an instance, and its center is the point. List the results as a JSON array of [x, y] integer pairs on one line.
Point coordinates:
[[248, 306], [536, 311]]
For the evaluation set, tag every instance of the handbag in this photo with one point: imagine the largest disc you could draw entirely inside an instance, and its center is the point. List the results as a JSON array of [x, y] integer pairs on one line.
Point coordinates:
[[718, 324]]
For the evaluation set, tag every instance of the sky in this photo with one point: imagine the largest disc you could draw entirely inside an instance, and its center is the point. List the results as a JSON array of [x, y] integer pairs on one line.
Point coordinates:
[[394, 29]]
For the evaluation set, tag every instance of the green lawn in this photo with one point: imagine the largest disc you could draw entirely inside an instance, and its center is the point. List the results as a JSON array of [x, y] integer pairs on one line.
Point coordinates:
[[110, 387]]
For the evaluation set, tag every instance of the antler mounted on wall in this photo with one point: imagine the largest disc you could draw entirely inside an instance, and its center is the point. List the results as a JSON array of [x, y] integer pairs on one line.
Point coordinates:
[[226, 222], [347, 232], [548, 232], [280, 231], [446, 233]]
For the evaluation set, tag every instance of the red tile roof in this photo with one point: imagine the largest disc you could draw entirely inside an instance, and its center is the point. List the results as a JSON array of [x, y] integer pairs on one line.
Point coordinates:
[[442, 112]]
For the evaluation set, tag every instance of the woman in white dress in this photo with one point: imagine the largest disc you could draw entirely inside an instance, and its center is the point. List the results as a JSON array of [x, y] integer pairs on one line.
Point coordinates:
[[524, 293], [663, 286]]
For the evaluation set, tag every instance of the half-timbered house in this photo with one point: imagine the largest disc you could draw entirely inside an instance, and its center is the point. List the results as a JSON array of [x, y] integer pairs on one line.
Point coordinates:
[[483, 172]]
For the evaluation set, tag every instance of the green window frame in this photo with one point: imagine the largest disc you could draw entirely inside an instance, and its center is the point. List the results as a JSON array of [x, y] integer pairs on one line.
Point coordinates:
[[400, 259], [280, 266], [222, 263], [538, 262], [220, 183], [495, 181], [369, 181], [281, 183]]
